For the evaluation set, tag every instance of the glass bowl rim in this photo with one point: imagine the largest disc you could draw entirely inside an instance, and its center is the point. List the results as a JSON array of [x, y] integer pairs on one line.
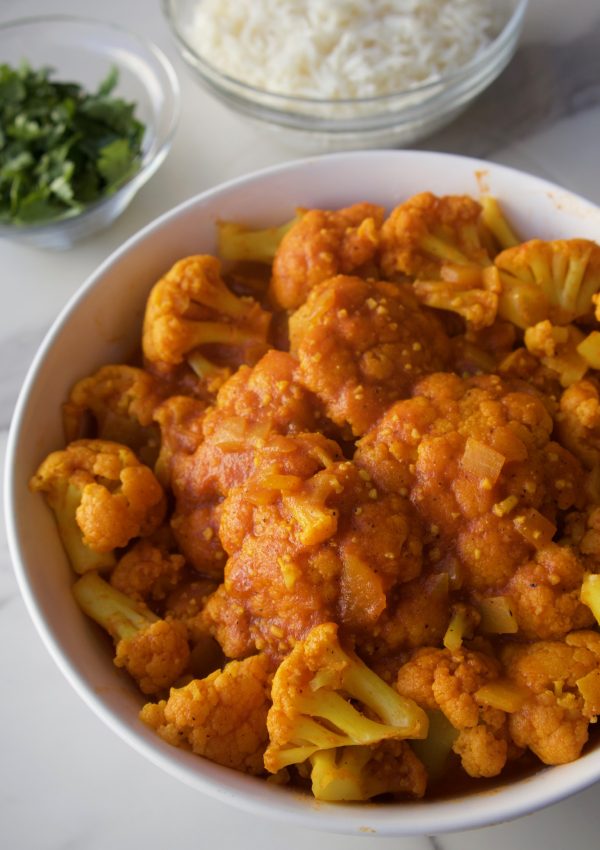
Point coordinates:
[[148, 160], [279, 100]]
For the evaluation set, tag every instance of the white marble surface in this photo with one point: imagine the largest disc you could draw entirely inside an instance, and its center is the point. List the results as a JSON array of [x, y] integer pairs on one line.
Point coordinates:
[[66, 781]]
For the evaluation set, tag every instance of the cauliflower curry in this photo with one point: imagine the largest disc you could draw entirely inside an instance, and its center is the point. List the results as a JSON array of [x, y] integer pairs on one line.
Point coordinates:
[[341, 517]]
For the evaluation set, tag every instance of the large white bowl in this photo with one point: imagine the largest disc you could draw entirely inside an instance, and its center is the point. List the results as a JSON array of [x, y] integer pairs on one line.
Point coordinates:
[[101, 324]]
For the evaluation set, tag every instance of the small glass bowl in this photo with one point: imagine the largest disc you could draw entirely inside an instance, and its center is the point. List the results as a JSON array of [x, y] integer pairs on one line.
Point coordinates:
[[83, 51], [392, 120]]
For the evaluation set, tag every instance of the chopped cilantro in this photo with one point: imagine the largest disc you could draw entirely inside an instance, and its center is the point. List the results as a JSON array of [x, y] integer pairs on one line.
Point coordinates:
[[61, 147]]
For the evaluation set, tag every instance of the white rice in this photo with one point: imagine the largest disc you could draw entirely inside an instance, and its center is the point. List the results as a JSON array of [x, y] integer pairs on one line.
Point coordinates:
[[339, 48]]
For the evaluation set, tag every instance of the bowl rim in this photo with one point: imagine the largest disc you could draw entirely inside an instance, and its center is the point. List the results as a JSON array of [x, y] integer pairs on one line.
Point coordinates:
[[150, 161], [244, 792], [278, 100]]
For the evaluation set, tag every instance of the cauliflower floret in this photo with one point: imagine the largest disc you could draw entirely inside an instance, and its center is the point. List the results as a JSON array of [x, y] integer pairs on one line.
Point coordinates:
[[562, 683], [556, 349], [188, 598], [320, 245], [180, 419], [154, 652], [311, 709], [578, 423], [150, 570], [252, 405], [556, 280], [449, 681], [222, 717], [361, 773], [470, 291], [449, 244], [120, 402], [193, 318], [102, 497], [308, 545], [426, 232], [477, 461], [361, 345], [417, 614], [545, 594]]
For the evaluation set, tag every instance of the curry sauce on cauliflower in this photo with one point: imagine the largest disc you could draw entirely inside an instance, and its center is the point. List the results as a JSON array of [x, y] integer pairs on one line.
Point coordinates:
[[341, 517]]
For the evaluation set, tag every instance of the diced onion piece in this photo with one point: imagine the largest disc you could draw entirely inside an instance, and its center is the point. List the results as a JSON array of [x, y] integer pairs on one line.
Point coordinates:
[[497, 617], [502, 694], [505, 506], [589, 688], [494, 219], [235, 434], [316, 522], [258, 495], [481, 461], [289, 572], [590, 349], [467, 276], [276, 481], [590, 593], [535, 528], [361, 589], [456, 630], [570, 366]]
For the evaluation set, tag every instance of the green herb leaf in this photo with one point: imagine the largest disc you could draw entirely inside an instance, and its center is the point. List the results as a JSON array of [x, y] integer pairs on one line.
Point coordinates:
[[61, 148], [116, 161]]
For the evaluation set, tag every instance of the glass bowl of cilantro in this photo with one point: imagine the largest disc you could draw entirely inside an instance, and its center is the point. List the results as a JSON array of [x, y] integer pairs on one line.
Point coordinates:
[[87, 115]]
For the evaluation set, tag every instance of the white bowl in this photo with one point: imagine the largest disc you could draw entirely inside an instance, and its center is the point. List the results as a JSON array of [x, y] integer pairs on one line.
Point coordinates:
[[99, 325]]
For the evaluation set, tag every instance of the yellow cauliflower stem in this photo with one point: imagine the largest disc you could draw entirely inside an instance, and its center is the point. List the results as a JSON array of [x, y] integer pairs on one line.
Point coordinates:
[[312, 709], [495, 220], [222, 717], [361, 773], [192, 317], [566, 273], [449, 681], [102, 497], [562, 680], [426, 232], [115, 403], [154, 652], [237, 243], [555, 346]]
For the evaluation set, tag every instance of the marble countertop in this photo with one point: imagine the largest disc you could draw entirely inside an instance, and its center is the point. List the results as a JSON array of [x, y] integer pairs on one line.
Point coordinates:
[[69, 782]]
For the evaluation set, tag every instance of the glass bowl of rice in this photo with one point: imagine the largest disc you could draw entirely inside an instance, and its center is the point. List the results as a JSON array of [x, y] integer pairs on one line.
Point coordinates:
[[343, 74]]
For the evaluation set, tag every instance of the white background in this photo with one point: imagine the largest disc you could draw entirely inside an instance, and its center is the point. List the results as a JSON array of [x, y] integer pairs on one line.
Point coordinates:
[[65, 780]]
